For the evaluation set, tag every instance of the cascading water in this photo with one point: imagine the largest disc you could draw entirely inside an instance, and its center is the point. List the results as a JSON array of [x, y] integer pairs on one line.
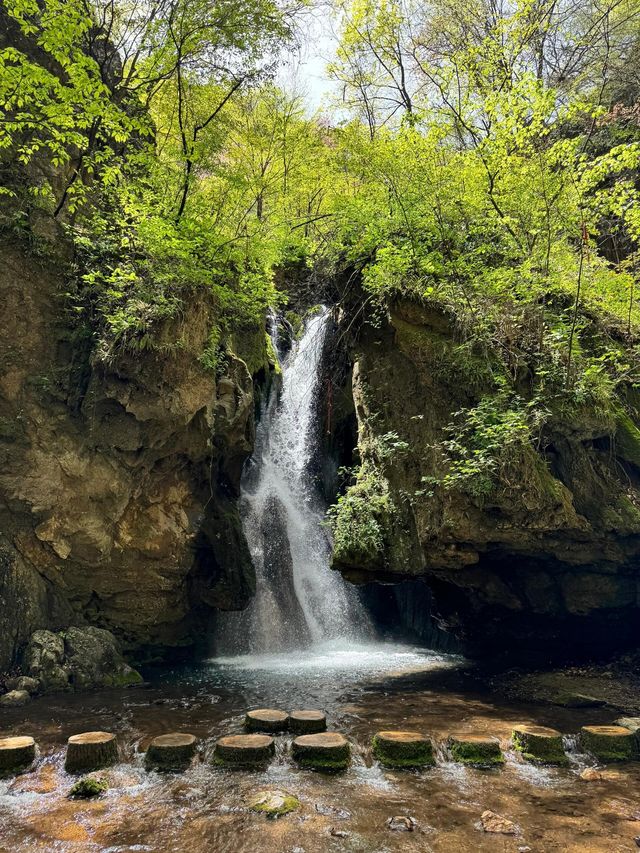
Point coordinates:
[[299, 600]]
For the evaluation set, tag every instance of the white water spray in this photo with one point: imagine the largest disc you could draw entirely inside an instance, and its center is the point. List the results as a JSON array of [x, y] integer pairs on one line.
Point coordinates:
[[299, 600]]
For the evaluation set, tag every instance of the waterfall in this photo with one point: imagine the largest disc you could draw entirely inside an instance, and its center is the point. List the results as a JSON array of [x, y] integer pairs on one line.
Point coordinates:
[[299, 600]]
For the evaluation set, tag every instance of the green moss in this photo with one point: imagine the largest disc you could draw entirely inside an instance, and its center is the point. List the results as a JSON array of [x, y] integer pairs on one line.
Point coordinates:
[[547, 750], [480, 754], [86, 788], [627, 445], [325, 765], [124, 679], [404, 755], [272, 356], [623, 747]]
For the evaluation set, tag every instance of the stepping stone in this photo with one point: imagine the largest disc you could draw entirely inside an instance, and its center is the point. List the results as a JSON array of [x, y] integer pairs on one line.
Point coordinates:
[[403, 749], [172, 751], [90, 751], [476, 750], [327, 751], [609, 743], [307, 722], [274, 803], [244, 750], [539, 744], [16, 754], [266, 720]]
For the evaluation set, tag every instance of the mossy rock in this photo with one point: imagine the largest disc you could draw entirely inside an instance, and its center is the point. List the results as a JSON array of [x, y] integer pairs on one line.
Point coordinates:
[[266, 720], [476, 750], [631, 723], [327, 751], [274, 803], [244, 750], [90, 751], [85, 789], [16, 754], [307, 722], [610, 743], [172, 751], [539, 745], [403, 749]]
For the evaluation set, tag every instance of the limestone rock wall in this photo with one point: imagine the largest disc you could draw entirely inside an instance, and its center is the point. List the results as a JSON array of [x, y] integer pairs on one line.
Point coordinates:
[[118, 477], [553, 560]]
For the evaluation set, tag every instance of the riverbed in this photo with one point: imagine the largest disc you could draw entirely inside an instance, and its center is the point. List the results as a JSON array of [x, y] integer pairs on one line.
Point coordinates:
[[363, 689]]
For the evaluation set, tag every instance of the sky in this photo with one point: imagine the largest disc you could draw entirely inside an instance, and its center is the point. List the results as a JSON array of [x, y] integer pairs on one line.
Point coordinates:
[[303, 69]]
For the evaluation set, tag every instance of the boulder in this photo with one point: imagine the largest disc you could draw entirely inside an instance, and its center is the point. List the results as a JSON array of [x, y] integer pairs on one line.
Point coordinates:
[[77, 659], [15, 698], [274, 803]]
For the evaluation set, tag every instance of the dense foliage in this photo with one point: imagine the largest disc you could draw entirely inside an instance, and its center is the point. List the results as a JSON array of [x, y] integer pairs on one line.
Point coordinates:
[[484, 160]]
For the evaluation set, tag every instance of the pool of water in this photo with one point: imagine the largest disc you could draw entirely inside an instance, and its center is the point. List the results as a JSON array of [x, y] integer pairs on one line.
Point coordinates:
[[363, 689]]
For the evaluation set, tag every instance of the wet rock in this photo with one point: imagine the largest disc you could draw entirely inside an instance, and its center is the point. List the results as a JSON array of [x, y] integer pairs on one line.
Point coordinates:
[[16, 754], [577, 700], [401, 823], [476, 750], [172, 751], [539, 744], [631, 723], [244, 750], [23, 682], [15, 698], [266, 720], [86, 789], [590, 774], [90, 751], [403, 749], [77, 659], [274, 803], [328, 751], [307, 722], [492, 822], [609, 743], [333, 811]]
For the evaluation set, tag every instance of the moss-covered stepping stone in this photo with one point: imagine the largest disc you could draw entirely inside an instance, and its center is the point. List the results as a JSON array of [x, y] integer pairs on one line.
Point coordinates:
[[403, 749], [539, 744], [476, 750], [266, 720], [244, 750], [16, 754], [307, 722], [609, 743], [274, 803], [327, 751], [172, 751], [90, 751]]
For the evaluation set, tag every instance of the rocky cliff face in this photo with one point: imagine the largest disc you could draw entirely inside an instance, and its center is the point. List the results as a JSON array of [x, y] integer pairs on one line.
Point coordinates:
[[118, 478], [551, 558]]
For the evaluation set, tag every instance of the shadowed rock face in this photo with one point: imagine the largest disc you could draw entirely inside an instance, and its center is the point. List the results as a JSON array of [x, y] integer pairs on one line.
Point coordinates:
[[118, 476], [552, 560]]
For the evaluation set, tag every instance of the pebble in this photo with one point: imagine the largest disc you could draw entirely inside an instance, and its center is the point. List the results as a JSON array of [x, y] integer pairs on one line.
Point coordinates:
[[400, 823], [492, 822], [338, 833]]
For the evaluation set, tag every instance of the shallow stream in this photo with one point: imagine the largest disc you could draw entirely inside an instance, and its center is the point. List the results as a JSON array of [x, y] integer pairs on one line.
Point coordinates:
[[363, 689]]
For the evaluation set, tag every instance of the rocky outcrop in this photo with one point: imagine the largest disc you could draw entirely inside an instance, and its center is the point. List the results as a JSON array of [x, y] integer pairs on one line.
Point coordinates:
[[550, 558], [118, 474]]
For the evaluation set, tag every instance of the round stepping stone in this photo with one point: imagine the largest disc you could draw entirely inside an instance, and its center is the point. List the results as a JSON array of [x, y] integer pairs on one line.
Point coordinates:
[[609, 743], [172, 751], [266, 720], [539, 744], [307, 722], [90, 751], [403, 749], [16, 754], [328, 751], [274, 803], [244, 750], [477, 750]]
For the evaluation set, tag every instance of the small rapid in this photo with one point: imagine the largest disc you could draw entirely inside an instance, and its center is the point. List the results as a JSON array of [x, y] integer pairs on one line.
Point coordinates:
[[299, 601]]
